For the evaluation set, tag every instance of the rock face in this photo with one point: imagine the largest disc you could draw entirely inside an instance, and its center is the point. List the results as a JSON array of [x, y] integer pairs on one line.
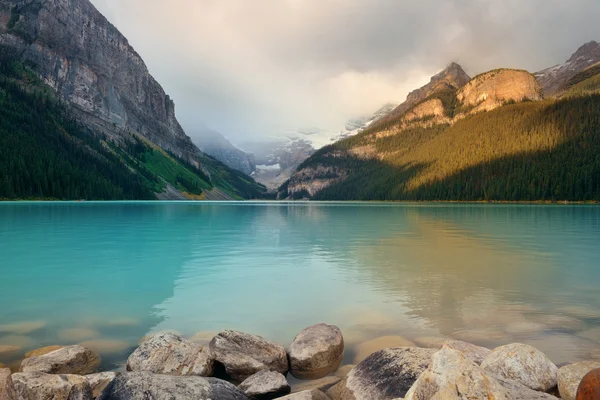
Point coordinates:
[[524, 364], [554, 78], [98, 382], [265, 385], [91, 65], [40, 386], [589, 388], [316, 352], [452, 375], [147, 386], [42, 351], [215, 144], [67, 360], [242, 355], [7, 388], [493, 89], [475, 353], [170, 354], [519, 391], [570, 376], [386, 374]]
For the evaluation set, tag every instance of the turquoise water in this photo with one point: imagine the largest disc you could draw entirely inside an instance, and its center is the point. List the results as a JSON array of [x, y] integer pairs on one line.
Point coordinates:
[[106, 274]]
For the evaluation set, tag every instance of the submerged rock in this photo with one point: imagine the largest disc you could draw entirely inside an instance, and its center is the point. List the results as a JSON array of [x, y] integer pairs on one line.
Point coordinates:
[[306, 395], [475, 353], [384, 375], [265, 385], [367, 348], [41, 386], [67, 360], [316, 352], [589, 388], [98, 382], [7, 388], [170, 354], [452, 375], [570, 376], [148, 386], [524, 364], [242, 355], [42, 351]]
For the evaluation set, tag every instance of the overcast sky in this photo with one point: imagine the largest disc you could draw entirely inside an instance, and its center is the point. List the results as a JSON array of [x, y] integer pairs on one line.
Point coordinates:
[[250, 68]]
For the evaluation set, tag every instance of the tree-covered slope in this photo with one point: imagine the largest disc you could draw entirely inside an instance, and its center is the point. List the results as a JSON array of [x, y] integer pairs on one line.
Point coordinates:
[[46, 154], [544, 150]]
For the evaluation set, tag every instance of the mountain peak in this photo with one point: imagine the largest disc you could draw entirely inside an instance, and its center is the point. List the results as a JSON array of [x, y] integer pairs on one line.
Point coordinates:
[[588, 50]]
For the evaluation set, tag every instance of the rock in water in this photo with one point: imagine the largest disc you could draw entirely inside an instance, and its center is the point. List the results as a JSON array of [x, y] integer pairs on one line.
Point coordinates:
[[475, 353], [524, 364], [384, 375], [41, 386], [265, 385], [306, 395], [170, 354], [242, 355], [42, 351], [570, 376], [148, 386], [365, 349], [316, 352], [98, 382], [452, 375], [67, 360], [7, 389], [589, 388]]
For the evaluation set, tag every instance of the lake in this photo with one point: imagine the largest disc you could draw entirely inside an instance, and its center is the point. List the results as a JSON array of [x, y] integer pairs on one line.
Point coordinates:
[[107, 274]]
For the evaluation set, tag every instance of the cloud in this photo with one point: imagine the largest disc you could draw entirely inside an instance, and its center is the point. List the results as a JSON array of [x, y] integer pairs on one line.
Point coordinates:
[[255, 68]]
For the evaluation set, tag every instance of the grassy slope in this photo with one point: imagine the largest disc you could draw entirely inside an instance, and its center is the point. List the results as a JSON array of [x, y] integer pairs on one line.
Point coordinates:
[[546, 150]]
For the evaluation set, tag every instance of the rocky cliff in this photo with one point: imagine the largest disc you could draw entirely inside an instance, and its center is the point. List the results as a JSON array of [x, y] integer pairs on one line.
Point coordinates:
[[216, 145], [555, 78], [90, 64], [495, 88]]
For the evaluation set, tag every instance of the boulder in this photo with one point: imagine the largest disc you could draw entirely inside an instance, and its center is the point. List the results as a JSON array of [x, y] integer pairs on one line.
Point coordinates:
[[242, 355], [316, 352], [569, 377], [524, 364], [265, 385], [170, 354], [98, 382], [41, 386], [67, 360], [149, 386], [384, 375], [475, 353], [589, 388], [518, 391], [322, 384], [42, 351], [7, 388], [306, 395], [452, 375], [365, 349]]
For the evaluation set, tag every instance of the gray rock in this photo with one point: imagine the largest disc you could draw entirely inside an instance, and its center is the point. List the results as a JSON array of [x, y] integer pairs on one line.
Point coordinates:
[[316, 352], [98, 382], [306, 395], [384, 375], [168, 353], [524, 364], [41, 386], [148, 386], [569, 377], [518, 391], [242, 355], [7, 388], [265, 385], [452, 375], [66, 360], [475, 353]]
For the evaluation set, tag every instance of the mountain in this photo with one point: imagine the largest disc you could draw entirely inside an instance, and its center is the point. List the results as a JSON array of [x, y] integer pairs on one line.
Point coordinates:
[[491, 138], [554, 79], [105, 86], [216, 145]]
